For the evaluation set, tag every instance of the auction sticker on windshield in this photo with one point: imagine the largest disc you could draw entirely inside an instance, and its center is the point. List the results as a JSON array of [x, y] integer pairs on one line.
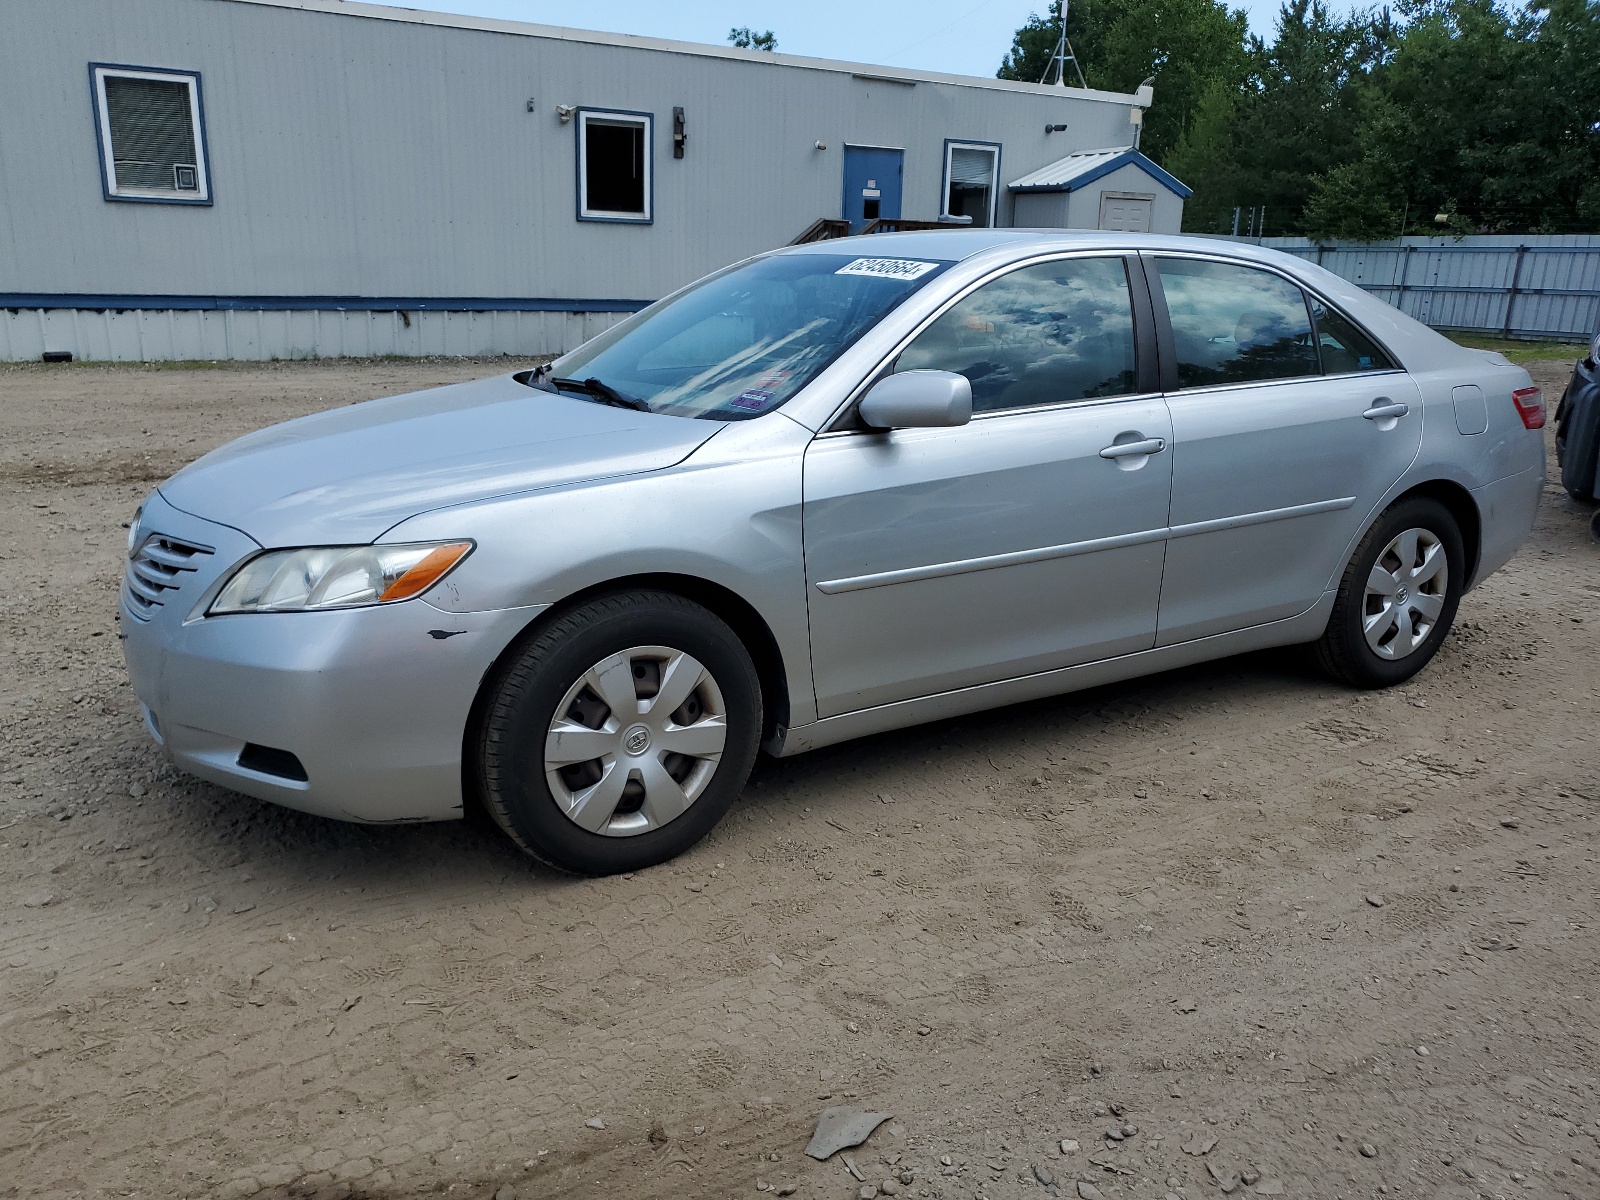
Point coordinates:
[[891, 268]]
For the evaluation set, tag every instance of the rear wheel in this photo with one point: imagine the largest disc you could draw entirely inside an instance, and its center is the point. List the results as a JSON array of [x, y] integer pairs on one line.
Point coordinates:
[[1397, 597], [620, 734]]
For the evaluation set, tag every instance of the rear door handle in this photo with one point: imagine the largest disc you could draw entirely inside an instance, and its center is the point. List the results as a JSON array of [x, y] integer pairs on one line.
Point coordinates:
[[1129, 449], [1383, 408]]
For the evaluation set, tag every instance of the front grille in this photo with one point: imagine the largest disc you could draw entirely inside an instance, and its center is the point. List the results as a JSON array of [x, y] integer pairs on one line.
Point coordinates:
[[158, 569]]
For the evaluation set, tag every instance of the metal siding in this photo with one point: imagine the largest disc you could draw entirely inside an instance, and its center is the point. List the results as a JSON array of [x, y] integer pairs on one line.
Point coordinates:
[[353, 156], [146, 335], [1476, 283]]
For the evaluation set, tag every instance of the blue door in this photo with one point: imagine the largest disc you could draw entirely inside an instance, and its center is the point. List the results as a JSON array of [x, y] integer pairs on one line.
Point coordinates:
[[872, 177]]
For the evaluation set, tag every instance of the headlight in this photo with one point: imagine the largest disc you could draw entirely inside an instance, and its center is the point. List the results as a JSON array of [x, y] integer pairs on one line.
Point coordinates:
[[336, 577], [133, 530]]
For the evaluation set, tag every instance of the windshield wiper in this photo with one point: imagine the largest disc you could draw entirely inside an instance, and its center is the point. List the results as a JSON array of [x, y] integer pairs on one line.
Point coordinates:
[[604, 392]]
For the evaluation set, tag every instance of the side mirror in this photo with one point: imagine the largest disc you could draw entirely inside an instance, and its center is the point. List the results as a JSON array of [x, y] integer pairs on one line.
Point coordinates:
[[918, 400]]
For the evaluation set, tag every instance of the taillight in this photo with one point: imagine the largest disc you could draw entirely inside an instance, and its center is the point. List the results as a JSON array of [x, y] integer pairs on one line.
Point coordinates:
[[1530, 406]]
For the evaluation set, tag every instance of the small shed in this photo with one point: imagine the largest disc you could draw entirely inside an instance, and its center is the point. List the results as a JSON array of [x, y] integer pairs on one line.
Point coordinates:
[[1115, 188]]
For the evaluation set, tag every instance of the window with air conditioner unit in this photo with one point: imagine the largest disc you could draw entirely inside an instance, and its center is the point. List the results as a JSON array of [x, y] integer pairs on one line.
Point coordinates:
[[151, 133], [971, 172]]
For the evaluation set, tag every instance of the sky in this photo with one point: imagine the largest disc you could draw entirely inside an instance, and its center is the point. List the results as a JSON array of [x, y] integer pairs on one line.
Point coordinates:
[[963, 37]]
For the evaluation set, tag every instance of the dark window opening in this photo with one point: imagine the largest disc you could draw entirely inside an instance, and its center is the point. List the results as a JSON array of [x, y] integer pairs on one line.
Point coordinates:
[[968, 201], [869, 208], [614, 167]]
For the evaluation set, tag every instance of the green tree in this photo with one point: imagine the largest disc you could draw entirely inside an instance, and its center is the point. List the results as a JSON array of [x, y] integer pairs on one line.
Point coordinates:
[[1186, 46], [1483, 113], [748, 39], [1302, 118], [1207, 159]]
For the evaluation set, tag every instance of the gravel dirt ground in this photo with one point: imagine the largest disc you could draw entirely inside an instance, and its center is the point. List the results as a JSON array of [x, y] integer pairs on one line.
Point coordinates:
[[1334, 943]]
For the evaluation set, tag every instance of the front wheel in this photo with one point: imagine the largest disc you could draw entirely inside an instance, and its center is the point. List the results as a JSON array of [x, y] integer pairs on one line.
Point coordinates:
[[1397, 597], [620, 733]]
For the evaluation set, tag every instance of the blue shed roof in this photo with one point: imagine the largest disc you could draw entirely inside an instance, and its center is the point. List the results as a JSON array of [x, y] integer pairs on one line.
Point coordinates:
[[1084, 167]]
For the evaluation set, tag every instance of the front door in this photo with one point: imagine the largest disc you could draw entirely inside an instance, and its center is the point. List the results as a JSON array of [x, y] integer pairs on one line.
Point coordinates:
[[1289, 426], [872, 181], [1028, 540]]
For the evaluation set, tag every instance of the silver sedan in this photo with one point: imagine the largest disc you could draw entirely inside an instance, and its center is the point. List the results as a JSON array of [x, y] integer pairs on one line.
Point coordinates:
[[826, 492]]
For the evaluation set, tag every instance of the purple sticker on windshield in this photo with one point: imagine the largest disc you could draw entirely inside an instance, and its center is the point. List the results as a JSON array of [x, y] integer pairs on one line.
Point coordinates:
[[754, 398]]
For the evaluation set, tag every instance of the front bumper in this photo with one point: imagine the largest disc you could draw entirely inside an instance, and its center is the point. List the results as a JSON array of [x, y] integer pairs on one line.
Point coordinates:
[[372, 702]]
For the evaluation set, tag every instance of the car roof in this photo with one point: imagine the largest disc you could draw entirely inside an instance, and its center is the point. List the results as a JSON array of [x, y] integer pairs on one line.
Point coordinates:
[[1417, 346], [957, 244]]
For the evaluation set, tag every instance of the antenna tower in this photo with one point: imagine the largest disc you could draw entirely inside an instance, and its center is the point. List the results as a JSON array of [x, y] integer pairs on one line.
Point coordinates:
[[1062, 56]]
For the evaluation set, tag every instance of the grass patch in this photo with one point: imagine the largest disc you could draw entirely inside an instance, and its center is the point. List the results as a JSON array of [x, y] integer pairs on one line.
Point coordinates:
[[1518, 351]]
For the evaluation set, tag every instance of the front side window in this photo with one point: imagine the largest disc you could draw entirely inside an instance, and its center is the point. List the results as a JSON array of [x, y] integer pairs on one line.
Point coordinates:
[[614, 165], [1234, 324], [970, 171], [1045, 334], [1344, 347], [741, 343], [152, 142]]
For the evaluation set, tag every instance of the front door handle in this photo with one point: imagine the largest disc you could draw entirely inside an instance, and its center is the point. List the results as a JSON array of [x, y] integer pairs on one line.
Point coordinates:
[[1384, 408], [1129, 449]]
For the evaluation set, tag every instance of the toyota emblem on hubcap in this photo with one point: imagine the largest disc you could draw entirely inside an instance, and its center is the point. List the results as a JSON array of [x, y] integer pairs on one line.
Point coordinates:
[[636, 740], [1401, 594]]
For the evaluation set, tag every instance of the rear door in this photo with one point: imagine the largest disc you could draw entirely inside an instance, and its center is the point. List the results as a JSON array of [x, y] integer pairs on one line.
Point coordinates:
[[1289, 426]]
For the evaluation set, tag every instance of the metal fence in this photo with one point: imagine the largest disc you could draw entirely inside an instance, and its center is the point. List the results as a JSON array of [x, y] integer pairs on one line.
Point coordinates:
[[1515, 287]]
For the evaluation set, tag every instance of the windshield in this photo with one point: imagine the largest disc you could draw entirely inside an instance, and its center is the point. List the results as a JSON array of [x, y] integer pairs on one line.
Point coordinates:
[[743, 342]]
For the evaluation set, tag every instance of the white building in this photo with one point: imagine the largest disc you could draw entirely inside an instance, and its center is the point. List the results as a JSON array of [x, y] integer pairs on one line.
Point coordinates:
[[201, 179]]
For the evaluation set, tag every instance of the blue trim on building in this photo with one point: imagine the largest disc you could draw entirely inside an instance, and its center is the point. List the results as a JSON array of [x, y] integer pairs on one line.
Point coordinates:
[[204, 165], [1128, 158], [87, 300]]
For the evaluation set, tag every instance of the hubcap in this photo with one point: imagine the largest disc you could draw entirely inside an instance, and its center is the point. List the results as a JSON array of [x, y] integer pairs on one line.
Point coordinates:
[[635, 741], [1405, 594]]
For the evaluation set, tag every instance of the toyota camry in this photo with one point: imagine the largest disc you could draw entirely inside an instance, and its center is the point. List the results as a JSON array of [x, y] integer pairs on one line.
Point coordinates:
[[829, 491]]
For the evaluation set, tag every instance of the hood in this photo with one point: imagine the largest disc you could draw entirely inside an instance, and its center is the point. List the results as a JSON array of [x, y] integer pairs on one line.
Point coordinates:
[[346, 476]]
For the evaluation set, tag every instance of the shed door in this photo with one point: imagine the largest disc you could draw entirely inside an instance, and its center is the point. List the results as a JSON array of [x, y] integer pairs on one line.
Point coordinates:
[[1125, 213], [872, 177]]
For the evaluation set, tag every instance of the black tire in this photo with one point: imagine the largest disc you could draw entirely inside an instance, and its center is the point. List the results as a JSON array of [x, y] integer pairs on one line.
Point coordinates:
[[1343, 650], [534, 679]]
